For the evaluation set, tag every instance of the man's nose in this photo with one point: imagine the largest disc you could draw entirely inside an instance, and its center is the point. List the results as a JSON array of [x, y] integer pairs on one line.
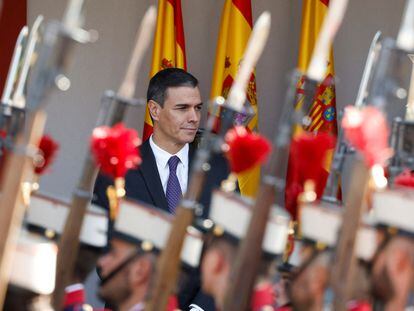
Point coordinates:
[[194, 115], [102, 264]]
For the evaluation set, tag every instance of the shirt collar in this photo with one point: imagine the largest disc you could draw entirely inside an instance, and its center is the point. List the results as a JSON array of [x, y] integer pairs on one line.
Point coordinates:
[[162, 156], [138, 307], [74, 287]]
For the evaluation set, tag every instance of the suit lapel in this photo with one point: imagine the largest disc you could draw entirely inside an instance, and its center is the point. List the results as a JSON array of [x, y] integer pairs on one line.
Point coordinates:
[[151, 176]]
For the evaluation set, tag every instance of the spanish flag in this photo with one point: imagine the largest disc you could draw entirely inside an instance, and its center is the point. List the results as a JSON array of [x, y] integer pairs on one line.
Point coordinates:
[[169, 45], [235, 29], [323, 110]]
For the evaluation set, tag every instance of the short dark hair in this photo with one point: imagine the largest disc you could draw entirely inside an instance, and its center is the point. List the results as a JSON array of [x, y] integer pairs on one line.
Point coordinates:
[[166, 78]]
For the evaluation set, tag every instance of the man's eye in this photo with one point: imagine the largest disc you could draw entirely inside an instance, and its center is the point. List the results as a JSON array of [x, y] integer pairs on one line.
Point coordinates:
[[198, 108]]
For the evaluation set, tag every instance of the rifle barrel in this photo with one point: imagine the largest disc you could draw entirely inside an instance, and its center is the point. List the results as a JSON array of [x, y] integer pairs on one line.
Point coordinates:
[[14, 65]]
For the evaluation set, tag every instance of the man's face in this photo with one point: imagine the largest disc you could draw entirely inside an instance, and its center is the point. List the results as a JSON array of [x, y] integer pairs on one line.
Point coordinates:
[[300, 290], [215, 269], [393, 271], [307, 289], [117, 289], [178, 120]]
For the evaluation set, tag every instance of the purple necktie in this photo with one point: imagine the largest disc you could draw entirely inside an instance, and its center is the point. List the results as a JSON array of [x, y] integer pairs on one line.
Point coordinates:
[[173, 192]]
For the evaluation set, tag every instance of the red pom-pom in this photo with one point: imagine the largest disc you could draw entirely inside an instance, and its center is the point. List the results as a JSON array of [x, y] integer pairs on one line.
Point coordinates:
[[246, 149], [47, 150], [307, 162], [115, 149], [367, 130], [406, 179]]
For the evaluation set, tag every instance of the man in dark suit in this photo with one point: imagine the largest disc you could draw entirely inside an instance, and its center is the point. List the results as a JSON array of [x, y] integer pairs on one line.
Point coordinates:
[[175, 105], [144, 184]]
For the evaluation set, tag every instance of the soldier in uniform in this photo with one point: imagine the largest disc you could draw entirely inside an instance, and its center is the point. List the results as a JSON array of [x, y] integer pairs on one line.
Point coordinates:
[[311, 280], [32, 278], [393, 273], [127, 270], [393, 267], [228, 227], [47, 216]]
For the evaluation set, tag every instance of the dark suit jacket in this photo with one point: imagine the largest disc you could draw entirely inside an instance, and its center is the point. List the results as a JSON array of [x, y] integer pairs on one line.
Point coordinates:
[[144, 184]]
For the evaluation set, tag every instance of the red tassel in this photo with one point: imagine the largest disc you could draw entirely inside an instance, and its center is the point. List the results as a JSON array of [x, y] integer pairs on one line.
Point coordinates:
[[292, 191], [367, 130], [246, 149], [406, 179], [307, 159], [47, 149], [115, 149], [309, 150]]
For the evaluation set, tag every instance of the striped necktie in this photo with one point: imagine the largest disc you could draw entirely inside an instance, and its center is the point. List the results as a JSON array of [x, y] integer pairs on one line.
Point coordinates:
[[173, 192]]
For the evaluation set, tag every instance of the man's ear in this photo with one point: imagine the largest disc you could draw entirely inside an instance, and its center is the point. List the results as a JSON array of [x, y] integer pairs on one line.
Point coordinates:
[[398, 256], [213, 261], [154, 110], [401, 261], [219, 261], [320, 277]]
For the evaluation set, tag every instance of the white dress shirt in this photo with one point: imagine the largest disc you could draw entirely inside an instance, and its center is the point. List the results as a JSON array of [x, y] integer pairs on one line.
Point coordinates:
[[74, 287], [162, 157], [138, 307]]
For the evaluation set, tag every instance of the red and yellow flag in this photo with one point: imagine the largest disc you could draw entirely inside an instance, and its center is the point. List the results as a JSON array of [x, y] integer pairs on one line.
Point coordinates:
[[323, 110], [169, 45], [235, 29]]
